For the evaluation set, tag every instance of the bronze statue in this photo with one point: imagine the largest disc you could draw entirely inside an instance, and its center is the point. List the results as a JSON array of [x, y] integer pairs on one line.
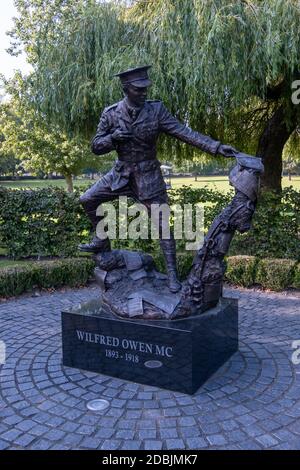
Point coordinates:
[[131, 127]]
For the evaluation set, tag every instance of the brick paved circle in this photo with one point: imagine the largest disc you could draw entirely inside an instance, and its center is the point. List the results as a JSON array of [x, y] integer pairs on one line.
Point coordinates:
[[252, 402]]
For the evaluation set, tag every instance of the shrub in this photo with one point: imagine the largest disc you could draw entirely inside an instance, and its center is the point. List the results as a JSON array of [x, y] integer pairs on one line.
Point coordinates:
[[275, 231], [241, 270], [275, 274], [184, 264], [16, 280], [296, 279], [42, 222], [244, 271], [51, 222], [45, 274]]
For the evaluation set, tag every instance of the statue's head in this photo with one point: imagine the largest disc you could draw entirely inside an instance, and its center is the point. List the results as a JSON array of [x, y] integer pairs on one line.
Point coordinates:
[[136, 96], [135, 83]]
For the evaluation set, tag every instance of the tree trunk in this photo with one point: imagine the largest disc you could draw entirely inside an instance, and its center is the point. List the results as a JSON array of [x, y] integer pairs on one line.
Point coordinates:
[[69, 181], [270, 147]]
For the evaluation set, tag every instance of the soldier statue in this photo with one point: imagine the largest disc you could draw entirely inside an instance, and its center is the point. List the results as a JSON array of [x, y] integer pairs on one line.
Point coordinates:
[[131, 128]]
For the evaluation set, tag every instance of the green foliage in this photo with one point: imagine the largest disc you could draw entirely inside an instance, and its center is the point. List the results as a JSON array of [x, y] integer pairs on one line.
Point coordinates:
[[45, 274], [184, 264], [275, 228], [50, 222], [75, 47], [241, 270], [275, 274], [9, 164], [225, 68], [296, 279], [38, 144], [44, 222]]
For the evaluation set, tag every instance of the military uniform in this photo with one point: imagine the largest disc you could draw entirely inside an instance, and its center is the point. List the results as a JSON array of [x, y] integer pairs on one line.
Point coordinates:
[[137, 171]]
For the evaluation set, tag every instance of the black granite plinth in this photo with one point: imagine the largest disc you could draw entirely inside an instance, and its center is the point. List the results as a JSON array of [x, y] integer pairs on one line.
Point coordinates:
[[177, 355]]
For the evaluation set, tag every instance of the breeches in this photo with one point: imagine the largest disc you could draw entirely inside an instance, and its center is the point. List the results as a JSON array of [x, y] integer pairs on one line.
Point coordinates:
[[101, 192]]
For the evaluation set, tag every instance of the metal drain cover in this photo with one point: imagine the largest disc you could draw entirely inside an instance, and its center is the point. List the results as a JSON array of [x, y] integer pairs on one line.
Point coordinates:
[[97, 405]]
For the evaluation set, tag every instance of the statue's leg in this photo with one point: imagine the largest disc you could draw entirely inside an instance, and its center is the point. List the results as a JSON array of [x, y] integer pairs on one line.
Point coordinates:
[[99, 193], [168, 245]]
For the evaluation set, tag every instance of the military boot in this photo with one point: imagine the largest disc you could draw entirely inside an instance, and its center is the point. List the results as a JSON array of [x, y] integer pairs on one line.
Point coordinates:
[[95, 246], [169, 251]]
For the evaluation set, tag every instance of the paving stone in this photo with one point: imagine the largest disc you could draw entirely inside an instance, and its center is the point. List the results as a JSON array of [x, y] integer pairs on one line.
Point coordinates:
[[54, 435], [252, 402], [133, 414], [147, 434], [191, 431], [216, 439], [39, 429], [175, 444], [267, 440], [125, 434], [196, 443], [90, 443], [168, 433], [26, 425], [269, 425], [172, 412], [111, 444], [11, 435], [3, 445], [73, 440], [85, 429], [105, 433], [246, 420], [13, 420], [248, 445], [60, 447], [186, 421], [24, 440], [152, 445], [131, 445], [229, 425], [41, 444], [284, 435]]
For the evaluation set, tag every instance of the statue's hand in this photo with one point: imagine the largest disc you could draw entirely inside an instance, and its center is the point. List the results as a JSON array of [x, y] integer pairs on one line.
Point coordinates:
[[121, 136], [227, 151]]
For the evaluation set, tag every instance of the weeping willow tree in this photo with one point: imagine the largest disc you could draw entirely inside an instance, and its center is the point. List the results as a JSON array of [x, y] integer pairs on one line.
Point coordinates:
[[232, 65], [226, 68]]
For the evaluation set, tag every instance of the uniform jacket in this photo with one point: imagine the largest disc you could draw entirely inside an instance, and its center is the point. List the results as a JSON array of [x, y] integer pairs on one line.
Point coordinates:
[[137, 162]]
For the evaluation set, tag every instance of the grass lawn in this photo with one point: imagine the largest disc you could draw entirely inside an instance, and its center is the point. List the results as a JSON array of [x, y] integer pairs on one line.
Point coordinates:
[[221, 183], [43, 183], [213, 182]]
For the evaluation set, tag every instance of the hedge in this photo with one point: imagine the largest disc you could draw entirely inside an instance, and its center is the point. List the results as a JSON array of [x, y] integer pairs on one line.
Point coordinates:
[[296, 277], [51, 222], [241, 270], [275, 274], [41, 222], [45, 274], [247, 271]]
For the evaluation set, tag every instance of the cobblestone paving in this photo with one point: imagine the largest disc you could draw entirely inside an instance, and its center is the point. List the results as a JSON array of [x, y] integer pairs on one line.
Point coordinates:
[[252, 402]]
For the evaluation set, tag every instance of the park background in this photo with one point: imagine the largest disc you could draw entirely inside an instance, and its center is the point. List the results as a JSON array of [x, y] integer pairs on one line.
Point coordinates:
[[225, 68]]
